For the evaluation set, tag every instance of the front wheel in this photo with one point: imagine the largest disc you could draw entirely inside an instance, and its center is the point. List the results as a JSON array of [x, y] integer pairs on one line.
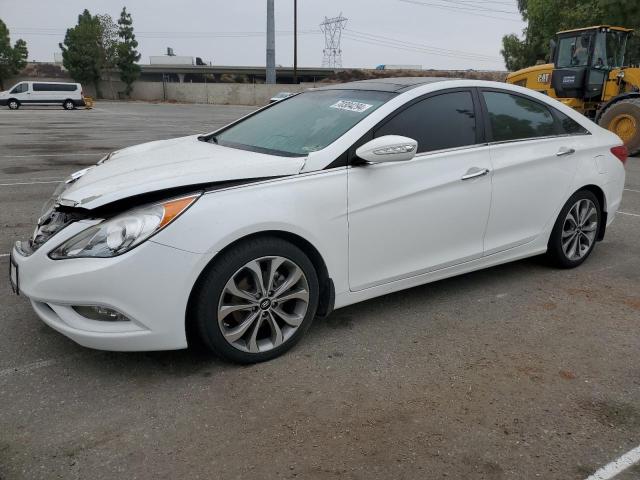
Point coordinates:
[[256, 301], [69, 105], [576, 230], [13, 104]]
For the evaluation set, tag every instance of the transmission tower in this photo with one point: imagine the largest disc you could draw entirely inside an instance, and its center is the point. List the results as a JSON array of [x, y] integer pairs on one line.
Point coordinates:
[[332, 29]]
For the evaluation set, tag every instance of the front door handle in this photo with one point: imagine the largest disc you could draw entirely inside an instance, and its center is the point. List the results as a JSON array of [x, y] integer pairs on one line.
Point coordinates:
[[564, 151], [475, 172]]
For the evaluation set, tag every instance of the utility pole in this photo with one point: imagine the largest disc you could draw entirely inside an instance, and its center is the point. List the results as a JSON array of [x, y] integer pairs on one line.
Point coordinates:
[[295, 41], [271, 44]]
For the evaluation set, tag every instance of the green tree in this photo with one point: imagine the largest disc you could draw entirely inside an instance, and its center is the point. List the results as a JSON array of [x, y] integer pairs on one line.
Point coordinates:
[[108, 46], [546, 17], [82, 52], [12, 59], [127, 53]]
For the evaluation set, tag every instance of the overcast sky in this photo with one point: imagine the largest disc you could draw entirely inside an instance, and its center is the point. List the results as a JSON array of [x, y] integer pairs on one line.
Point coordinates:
[[451, 34]]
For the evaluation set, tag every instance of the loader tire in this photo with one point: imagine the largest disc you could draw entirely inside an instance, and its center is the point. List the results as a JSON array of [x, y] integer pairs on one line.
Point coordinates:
[[623, 119]]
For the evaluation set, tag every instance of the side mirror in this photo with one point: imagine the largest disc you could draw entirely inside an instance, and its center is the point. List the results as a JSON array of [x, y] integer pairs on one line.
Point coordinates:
[[390, 148]]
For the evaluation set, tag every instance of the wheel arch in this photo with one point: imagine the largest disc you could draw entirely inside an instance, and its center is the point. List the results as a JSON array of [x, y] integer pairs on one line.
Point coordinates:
[[327, 290]]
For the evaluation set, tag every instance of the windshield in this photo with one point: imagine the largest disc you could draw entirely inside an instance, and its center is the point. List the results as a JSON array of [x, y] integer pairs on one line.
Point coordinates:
[[304, 123]]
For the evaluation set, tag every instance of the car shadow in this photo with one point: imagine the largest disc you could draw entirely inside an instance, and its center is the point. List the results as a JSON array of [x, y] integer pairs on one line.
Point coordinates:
[[196, 361]]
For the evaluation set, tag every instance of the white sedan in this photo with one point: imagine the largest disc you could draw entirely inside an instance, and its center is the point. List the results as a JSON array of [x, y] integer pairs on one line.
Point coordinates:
[[237, 239]]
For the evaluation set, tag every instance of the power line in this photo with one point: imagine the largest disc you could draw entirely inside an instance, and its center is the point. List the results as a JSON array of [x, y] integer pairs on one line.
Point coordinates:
[[421, 46], [418, 50], [169, 35], [459, 9]]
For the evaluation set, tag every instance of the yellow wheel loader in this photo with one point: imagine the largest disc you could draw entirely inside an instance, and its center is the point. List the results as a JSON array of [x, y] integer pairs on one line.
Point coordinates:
[[590, 74]]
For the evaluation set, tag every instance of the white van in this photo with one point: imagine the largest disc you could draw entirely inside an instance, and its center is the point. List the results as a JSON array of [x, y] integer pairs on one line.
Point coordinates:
[[69, 95]]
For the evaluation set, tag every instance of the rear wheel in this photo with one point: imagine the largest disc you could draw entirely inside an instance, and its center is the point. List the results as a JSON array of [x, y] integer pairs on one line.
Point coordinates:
[[623, 119], [576, 230], [256, 301], [13, 104], [69, 105]]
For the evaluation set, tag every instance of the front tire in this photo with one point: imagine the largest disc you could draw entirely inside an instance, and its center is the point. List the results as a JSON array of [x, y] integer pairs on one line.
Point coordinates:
[[256, 301], [13, 104], [576, 230], [68, 105]]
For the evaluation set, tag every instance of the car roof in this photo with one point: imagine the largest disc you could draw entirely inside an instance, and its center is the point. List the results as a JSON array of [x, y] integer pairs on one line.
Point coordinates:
[[55, 83], [394, 84]]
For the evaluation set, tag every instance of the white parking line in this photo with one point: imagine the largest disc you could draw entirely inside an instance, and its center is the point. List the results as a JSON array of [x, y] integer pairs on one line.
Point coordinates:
[[4, 254], [614, 468], [631, 190], [632, 214], [27, 183]]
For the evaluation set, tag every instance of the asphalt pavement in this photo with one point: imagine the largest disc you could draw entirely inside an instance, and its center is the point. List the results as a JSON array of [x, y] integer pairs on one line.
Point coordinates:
[[521, 371]]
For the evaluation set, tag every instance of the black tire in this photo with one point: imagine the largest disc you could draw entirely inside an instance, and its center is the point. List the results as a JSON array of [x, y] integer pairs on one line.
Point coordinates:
[[13, 104], [555, 250], [207, 292], [68, 105], [623, 115]]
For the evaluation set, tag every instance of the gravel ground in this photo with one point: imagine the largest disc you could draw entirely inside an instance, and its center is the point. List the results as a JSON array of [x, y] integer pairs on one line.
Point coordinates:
[[516, 372]]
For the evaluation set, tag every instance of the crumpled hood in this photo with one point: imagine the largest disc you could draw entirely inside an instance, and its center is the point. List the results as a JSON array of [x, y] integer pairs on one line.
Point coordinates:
[[165, 164]]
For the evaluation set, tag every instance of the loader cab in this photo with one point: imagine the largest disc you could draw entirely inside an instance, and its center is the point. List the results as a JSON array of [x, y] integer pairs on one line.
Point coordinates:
[[584, 58]]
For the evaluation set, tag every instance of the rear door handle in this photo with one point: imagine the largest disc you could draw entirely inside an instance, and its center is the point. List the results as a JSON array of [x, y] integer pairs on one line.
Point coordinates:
[[564, 151], [475, 172]]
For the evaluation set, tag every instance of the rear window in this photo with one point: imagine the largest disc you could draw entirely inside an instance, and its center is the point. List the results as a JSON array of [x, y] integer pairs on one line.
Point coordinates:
[[55, 87], [570, 126], [514, 117]]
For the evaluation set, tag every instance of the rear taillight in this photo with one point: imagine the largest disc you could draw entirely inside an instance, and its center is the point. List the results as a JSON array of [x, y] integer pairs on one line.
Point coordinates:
[[621, 152]]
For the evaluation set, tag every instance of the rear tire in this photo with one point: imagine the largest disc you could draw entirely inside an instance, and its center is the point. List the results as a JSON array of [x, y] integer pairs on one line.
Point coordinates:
[[68, 105], [255, 301], [623, 119], [13, 104], [575, 232]]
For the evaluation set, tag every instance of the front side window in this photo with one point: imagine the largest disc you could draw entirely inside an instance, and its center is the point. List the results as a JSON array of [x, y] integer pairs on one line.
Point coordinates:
[[513, 117], [20, 88], [304, 123], [436, 123], [574, 51]]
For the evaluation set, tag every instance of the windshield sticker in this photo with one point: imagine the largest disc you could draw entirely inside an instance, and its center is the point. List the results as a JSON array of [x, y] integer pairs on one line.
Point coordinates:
[[351, 106]]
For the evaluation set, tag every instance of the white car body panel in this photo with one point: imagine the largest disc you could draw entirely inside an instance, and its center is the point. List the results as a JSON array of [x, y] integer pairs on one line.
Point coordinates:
[[378, 228]]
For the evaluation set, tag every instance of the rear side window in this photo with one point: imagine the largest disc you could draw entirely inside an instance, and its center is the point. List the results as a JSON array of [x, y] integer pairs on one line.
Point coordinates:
[[54, 87], [20, 88], [513, 117], [570, 126], [436, 123]]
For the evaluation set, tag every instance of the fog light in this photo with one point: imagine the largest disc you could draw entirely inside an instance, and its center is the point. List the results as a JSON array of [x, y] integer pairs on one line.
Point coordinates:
[[102, 314]]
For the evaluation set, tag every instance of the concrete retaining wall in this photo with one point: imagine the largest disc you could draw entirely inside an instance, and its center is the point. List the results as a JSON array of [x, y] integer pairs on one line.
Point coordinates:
[[213, 93]]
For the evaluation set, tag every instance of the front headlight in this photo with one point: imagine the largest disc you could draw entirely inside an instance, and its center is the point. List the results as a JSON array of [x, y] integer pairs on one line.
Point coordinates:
[[123, 232]]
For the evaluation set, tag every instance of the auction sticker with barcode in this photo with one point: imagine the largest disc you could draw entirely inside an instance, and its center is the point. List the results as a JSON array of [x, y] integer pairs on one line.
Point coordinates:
[[351, 106]]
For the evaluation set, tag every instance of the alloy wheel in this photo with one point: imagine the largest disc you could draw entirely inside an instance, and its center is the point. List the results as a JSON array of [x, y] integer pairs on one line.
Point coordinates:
[[579, 229], [263, 304]]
